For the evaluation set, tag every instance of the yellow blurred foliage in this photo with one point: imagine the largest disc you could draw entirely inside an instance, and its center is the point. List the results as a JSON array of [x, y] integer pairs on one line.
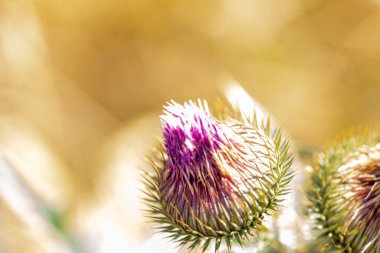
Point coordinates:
[[77, 76]]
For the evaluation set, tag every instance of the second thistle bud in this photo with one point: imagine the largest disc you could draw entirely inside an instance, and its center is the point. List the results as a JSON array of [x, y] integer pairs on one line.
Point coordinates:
[[362, 170], [345, 191], [217, 178]]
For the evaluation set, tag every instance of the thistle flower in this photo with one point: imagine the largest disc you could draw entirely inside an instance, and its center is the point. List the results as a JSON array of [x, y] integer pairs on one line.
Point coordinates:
[[345, 195], [215, 178]]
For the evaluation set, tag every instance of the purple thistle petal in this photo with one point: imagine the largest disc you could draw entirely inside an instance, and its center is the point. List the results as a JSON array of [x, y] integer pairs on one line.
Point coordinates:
[[190, 133]]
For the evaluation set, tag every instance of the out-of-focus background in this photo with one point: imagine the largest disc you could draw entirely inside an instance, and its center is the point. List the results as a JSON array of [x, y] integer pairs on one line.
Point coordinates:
[[82, 84]]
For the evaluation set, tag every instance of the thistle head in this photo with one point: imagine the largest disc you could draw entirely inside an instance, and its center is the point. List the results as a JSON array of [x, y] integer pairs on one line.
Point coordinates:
[[345, 194], [362, 170], [217, 177]]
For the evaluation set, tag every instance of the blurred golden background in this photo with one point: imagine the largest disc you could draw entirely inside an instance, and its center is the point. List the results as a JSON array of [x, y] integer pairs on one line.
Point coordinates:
[[82, 84]]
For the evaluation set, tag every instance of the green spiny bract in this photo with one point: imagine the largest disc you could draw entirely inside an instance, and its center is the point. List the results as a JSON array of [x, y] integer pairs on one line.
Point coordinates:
[[344, 194], [215, 179]]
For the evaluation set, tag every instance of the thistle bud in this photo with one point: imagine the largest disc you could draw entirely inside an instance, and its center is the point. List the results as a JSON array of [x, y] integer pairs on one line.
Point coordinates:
[[346, 192], [216, 178]]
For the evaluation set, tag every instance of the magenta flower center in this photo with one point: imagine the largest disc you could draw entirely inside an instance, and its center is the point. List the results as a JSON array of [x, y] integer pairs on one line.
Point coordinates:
[[191, 135]]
